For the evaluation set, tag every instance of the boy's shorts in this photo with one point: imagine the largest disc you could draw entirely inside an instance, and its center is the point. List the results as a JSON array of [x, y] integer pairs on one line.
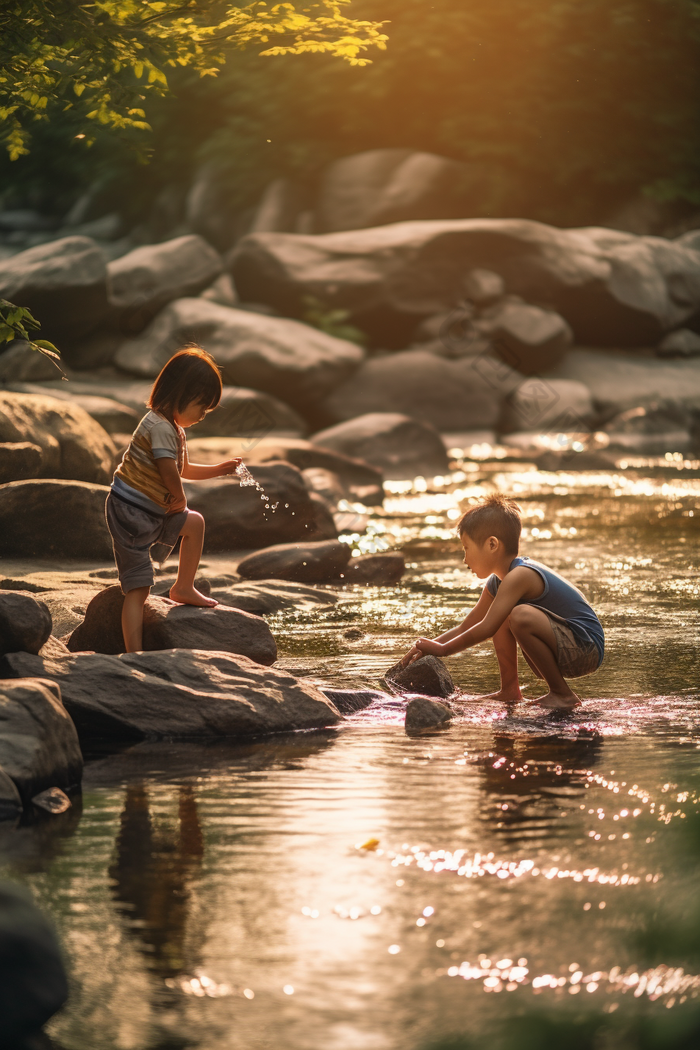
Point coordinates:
[[574, 657], [134, 532]]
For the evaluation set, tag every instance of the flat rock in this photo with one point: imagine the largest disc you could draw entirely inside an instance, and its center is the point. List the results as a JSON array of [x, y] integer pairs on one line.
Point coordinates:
[[400, 447], [422, 713], [19, 460], [25, 622], [167, 625], [64, 284], [265, 597], [38, 742], [305, 562], [428, 675], [33, 980], [563, 405], [380, 570], [282, 357], [178, 693], [38, 520], [146, 279]]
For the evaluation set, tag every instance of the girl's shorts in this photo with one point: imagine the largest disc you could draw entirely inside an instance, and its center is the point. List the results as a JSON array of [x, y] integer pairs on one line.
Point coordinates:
[[134, 532]]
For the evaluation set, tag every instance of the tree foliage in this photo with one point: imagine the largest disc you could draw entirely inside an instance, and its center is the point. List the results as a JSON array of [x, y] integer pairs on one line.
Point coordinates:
[[107, 56], [17, 322]]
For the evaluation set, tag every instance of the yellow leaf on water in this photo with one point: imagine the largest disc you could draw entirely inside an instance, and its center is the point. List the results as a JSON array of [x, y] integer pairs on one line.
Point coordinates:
[[370, 844]]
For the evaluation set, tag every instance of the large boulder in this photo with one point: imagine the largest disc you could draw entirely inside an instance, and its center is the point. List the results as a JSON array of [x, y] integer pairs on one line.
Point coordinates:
[[21, 364], [290, 360], [529, 338], [145, 280], [447, 395], [64, 284], [74, 446], [397, 445], [249, 414], [19, 460], [211, 207], [614, 289], [167, 625], [112, 416], [305, 562], [543, 405], [380, 570], [241, 517], [38, 743], [33, 980], [25, 622], [178, 693], [54, 519], [389, 185]]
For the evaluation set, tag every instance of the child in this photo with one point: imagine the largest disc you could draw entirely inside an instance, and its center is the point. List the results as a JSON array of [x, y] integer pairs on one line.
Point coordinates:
[[523, 603], [146, 506]]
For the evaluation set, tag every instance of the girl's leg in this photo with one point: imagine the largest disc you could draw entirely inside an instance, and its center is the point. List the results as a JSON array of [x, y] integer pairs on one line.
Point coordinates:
[[507, 655], [132, 618], [184, 590], [533, 633]]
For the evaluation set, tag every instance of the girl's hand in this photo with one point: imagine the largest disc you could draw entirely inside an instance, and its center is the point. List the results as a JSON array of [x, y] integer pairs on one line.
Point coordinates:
[[229, 466], [429, 648], [177, 503]]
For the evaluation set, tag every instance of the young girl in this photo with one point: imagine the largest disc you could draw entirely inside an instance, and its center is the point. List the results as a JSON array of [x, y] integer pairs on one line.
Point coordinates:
[[146, 508]]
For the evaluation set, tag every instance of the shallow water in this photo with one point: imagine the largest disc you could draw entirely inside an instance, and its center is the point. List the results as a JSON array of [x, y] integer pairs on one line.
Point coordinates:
[[215, 897]]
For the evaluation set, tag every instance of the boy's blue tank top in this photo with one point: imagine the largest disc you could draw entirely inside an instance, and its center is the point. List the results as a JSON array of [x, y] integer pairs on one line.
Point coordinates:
[[561, 598]]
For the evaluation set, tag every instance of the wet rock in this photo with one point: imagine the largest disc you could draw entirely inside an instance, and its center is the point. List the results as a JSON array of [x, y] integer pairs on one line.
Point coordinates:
[[427, 675], [53, 800], [74, 446], [448, 395], [651, 430], [64, 284], [422, 713], [38, 519], [270, 596], [397, 445], [38, 742], [388, 185], [529, 339], [145, 280], [681, 343], [483, 287], [285, 358], [178, 693], [25, 622], [237, 519], [548, 404], [305, 562], [167, 625], [21, 364], [348, 701], [10, 800], [33, 981], [19, 460], [613, 289], [381, 570]]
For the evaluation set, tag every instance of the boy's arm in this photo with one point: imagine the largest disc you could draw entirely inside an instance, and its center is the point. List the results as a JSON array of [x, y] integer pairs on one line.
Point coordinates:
[[167, 468], [474, 616], [512, 589]]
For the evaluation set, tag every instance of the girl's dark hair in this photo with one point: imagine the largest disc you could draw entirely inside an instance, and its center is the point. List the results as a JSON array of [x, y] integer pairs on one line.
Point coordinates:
[[495, 515], [191, 375]]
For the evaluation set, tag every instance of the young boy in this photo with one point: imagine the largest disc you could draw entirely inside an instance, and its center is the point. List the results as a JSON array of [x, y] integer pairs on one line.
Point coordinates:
[[523, 603]]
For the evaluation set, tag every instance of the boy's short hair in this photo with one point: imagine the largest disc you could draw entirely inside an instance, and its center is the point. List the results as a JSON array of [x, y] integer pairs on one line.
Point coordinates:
[[191, 375], [495, 515]]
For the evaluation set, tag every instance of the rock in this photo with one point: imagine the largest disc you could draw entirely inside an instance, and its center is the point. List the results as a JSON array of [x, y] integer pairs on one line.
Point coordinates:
[[237, 519], [427, 675], [145, 280], [112, 416], [249, 414], [618, 381], [25, 622], [613, 289], [278, 209], [10, 800], [387, 185], [397, 445], [211, 208], [64, 284], [38, 520], [33, 981], [681, 343], [305, 562], [326, 484], [691, 240], [270, 596], [650, 430], [130, 392], [38, 742], [422, 713], [178, 693], [167, 625], [74, 446], [564, 405], [53, 646], [483, 287], [447, 395], [348, 701], [221, 291], [382, 570], [19, 460], [528, 338], [53, 800], [285, 358], [21, 364]]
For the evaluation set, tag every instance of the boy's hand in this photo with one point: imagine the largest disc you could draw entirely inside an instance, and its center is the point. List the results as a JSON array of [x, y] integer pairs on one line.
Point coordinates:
[[229, 466], [427, 647], [411, 655]]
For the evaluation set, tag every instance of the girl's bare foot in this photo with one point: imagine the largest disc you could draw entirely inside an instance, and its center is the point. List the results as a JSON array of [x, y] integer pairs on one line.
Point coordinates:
[[191, 596], [557, 701], [506, 696]]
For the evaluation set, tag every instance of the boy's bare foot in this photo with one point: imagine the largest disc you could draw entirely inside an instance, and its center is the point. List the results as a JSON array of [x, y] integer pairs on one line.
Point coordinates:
[[506, 696], [191, 596], [557, 701]]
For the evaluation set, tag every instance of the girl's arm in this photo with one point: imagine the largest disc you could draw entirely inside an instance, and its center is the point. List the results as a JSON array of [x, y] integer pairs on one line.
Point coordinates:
[[202, 471], [167, 468]]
